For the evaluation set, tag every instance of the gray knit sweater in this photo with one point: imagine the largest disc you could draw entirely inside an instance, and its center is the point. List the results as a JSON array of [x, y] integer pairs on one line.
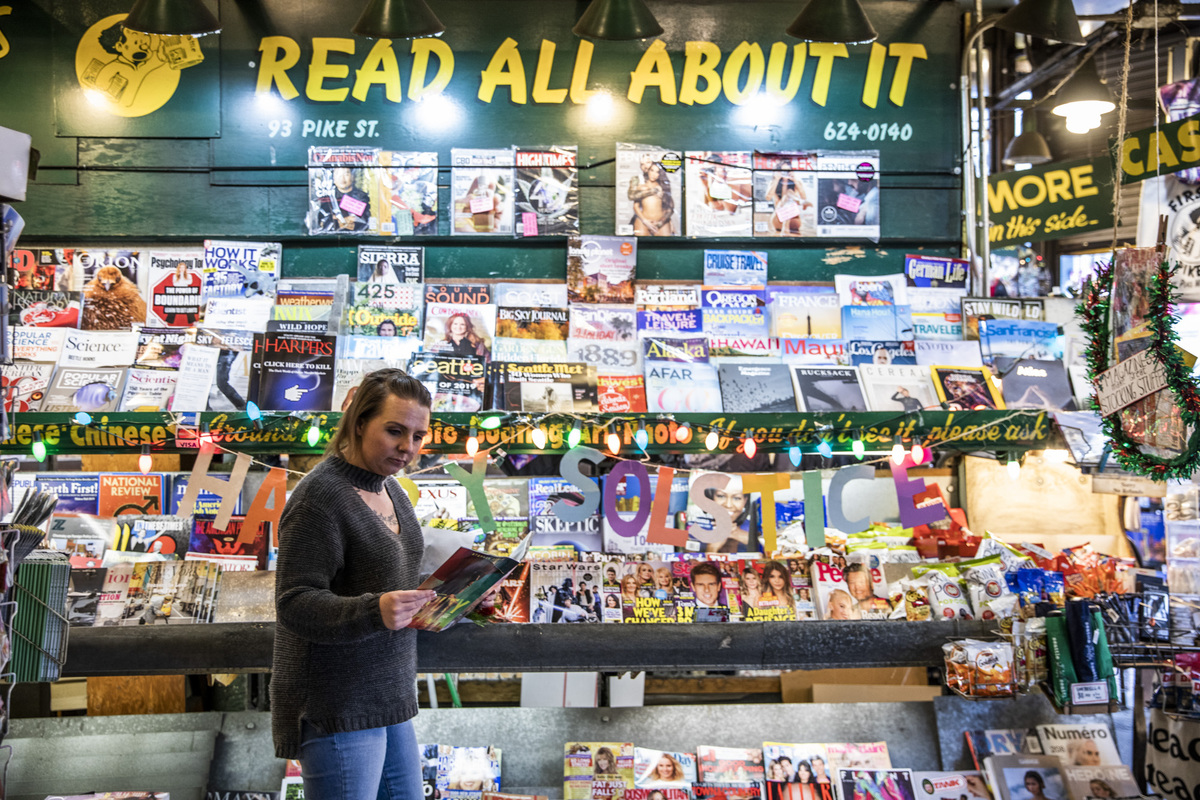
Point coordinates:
[[336, 665]]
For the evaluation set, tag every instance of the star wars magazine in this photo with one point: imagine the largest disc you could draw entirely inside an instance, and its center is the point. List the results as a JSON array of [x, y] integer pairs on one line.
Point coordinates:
[[461, 582]]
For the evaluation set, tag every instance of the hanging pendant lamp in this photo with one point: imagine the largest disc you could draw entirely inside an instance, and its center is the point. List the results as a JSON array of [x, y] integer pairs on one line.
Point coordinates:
[[1045, 19], [1029, 147], [398, 19], [171, 18], [841, 21], [617, 21], [1083, 99]]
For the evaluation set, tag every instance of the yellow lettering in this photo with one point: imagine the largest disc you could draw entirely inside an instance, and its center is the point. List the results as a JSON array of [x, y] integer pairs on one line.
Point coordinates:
[[700, 61], [874, 79], [654, 69], [279, 54], [580, 94], [379, 67], [905, 53], [320, 70], [421, 50], [1019, 190], [1166, 156], [505, 69], [1189, 139], [744, 52], [1129, 165], [775, 86], [4, 47], [1081, 181], [825, 53], [1058, 185], [542, 93], [1000, 197]]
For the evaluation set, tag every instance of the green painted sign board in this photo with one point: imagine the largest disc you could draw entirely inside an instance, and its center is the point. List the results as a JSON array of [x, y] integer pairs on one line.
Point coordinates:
[[1161, 150], [1050, 201]]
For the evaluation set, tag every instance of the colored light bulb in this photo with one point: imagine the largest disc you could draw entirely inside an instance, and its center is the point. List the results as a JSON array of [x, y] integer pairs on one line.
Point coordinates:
[[858, 448], [145, 461], [39, 447], [749, 446], [898, 452], [1014, 468], [825, 448], [712, 440], [794, 454], [252, 411], [614, 443], [539, 438], [83, 418], [491, 423], [918, 452], [575, 435], [683, 434], [313, 435], [642, 437]]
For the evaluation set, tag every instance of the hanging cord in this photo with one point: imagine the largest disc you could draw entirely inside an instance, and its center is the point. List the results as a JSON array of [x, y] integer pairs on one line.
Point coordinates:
[[1123, 110]]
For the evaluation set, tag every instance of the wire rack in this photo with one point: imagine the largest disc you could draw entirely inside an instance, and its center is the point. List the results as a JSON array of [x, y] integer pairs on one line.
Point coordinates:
[[1144, 639]]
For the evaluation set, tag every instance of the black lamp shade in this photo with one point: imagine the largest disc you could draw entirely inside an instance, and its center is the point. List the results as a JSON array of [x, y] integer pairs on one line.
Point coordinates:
[[171, 18], [1045, 19], [1028, 148], [617, 21], [398, 19], [1083, 86], [833, 21]]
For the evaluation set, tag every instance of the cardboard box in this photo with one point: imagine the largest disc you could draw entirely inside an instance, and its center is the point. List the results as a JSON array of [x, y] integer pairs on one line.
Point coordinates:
[[797, 686]]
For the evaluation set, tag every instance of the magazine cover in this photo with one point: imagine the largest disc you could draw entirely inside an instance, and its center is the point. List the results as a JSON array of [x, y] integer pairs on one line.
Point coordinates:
[[77, 493], [734, 312], [965, 353], [877, 323], [112, 298], [821, 389], [406, 194], [666, 297], [384, 309], [795, 763], [756, 388], [741, 535], [391, 264], [292, 371], [725, 268], [720, 193], [706, 591], [76, 389], [86, 265], [1001, 741], [1099, 782], [154, 533], [1029, 383], [785, 194], [729, 764], [658, 793], [471, 294], [35, 308], [831, 352], [83, 596], [804, 312], [231, 385], [649, 191], [1133, 271], [937, 272], [209, 540], [848, 194], [341, 181], [832, 594], [865, 784], [606, 336], [42, 269], [459, 329], [670, 323], [481, 191], [548, 528], [766, 590], [881, 353], [536, 295], [147, 390], [529, 334], [555, 599], [857, 755], [25, 386], [111, 602], [678, 387], [465, 773], [1025, 777], [454, 382], [460, 583], [975, 308], [512, 598], [442, 498], [547, 193], [950, 786], [897, 388], [545, 388], [1019, 338], [597, 770], [162, 348], [708, 790], [966, 388], [631, 499], [1080, 745], [653, 598], [240, 270], [872, 290], [176, 288], [601, 269]]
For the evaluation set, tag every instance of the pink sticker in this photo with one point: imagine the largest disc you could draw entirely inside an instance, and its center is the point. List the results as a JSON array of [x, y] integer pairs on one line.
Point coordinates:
[[481, 205], [352, 205], [789, 210], [849, 203], [529, 223]]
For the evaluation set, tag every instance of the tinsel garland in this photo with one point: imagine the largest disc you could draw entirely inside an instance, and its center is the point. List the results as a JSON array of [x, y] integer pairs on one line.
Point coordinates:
[[1094, 313]]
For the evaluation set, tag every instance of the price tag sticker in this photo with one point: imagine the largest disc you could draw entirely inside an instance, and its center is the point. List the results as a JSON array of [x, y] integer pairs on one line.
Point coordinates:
[[789, 210], [529, 223], [481, 205], [352, 205], [1083, 694], [404, 224], [848, 203]]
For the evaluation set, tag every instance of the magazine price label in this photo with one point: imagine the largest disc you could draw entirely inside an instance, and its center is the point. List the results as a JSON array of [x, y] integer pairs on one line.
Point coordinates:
[[1083, 694]]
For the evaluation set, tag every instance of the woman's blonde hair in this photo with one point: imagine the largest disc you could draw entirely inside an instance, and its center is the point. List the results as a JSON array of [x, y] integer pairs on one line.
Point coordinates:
[[368, 401]]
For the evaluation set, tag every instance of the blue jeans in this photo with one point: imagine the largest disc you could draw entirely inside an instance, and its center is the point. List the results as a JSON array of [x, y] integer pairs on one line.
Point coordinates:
[[373, 764]]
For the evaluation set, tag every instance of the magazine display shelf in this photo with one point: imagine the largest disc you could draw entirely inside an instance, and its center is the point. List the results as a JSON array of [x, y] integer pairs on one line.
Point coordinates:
[[247, 646]]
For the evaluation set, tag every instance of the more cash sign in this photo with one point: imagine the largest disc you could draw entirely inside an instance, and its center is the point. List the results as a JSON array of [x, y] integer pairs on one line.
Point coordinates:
[[1050, 201]]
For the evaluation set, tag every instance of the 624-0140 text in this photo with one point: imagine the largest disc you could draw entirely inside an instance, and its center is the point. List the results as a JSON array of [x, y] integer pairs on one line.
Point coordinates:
[[875, 132]]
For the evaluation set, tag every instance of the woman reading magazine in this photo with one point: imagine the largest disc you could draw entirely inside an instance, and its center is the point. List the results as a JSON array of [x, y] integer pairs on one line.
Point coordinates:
[[343, 693]]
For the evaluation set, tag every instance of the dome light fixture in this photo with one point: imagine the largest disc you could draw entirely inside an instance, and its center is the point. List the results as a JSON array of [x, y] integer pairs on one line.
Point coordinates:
[[1083, 99], [617, 21], [842, 21], [171, 18], [398, 19]]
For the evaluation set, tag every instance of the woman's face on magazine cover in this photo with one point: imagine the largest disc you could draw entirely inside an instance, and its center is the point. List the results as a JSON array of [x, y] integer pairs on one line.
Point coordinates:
[[458, 327], [751, 579], [662, 577], [645, 573], [1031, 786], [666, 770], [776, 579]]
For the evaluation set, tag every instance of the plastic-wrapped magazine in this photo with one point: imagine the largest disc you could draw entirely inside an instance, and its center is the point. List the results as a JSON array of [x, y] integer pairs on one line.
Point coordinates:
[[720, 193], [649, 191], [481, 191], [848, 194], [605, 336], [547, 194], [24, 386], [341, 182], [659, 769], [384, 309], [406, 199], [785, 194], [465, 773], [730, 764]]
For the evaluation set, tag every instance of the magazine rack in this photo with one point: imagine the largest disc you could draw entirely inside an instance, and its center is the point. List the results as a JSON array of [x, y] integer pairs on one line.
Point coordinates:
[[57, 630]]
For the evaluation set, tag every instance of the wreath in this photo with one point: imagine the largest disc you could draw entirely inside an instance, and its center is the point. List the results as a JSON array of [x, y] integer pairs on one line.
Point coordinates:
[[1097, 297]]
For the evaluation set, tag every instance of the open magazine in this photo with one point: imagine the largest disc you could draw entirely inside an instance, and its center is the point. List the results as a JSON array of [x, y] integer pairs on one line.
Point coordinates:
[[461, 582]]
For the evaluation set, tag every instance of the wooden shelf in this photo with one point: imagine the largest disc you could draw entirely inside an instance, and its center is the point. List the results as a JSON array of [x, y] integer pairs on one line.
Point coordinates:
[[246, 647]]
